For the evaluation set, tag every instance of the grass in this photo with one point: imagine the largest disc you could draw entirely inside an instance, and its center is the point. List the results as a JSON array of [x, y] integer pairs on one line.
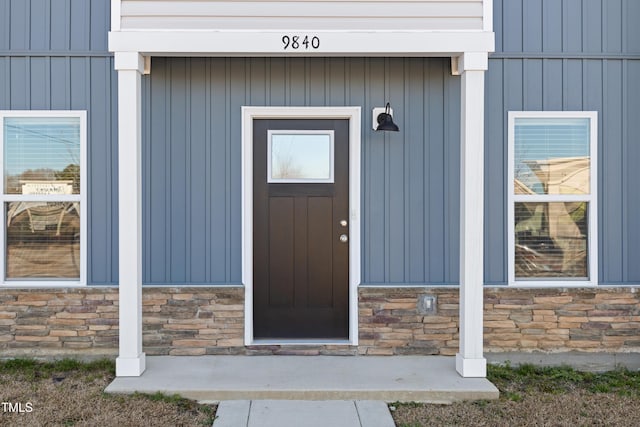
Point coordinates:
[[81, 385], [181, 404], [527, 378], [30, 368], [536, 396]]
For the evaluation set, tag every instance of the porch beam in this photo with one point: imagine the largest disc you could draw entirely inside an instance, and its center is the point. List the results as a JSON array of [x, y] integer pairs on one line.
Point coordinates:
[[470, 361], [131, 359], [251, 42]]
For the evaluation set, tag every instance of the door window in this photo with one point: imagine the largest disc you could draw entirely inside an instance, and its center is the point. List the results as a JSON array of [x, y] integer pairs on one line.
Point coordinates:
[[300, 156]]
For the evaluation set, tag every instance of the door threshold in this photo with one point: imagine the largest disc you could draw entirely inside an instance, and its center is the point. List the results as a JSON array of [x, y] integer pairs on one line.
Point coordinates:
[[310, 342]]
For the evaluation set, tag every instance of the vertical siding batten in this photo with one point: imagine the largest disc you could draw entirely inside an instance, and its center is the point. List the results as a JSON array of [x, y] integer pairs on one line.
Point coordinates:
[[5, 25], [495, 161], [396, 144], [80, 19], [60, 22], [436, 76], [631, 153], [5, 87], [613, 169], [415, 157], [206, 232], [20, 87], [196, 248], [452, 93], [375, 237], [39, 25], [236, 102]]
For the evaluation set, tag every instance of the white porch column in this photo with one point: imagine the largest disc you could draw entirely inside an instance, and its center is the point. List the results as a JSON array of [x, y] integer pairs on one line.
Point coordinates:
[[130, 66], [470, 361]]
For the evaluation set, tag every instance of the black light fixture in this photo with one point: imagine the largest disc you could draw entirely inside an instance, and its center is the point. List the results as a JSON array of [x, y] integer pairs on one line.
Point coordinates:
[[385, 120]]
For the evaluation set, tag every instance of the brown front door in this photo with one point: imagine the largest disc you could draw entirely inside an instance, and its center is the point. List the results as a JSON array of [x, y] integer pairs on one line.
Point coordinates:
[[301, 229]]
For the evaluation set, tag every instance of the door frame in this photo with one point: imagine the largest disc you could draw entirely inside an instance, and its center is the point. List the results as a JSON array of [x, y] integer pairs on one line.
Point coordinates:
[[249, 114]]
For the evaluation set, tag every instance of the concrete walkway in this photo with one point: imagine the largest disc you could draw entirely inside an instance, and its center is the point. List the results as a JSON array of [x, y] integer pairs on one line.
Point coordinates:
[[303, 413], [383, 378]]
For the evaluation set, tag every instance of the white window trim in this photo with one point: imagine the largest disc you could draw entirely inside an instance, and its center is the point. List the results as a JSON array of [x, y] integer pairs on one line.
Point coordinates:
[[354, 116], [592, 198], [82, 198]]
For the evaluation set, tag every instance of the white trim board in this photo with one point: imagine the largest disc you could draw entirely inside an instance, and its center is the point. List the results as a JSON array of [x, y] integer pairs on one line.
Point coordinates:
[[269, 43], [353, 114]]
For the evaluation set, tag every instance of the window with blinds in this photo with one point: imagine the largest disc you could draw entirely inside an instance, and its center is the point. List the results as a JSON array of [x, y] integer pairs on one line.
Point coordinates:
[[552, 200], [43, 195]]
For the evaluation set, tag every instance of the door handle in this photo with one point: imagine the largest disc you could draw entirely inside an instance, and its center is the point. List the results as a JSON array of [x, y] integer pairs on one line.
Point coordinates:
[[344, 238]]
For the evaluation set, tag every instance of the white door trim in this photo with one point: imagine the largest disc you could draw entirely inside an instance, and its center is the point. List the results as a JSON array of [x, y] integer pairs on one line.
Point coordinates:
[[353, 115]]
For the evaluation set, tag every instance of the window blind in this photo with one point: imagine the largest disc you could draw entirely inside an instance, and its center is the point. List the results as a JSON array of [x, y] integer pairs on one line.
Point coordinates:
[[552, 156], [41, 151]]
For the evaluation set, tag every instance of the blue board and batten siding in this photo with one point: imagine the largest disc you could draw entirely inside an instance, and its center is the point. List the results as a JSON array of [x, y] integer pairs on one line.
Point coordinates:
[[53, 56], [192, 161], [570, 55], [551, 55]]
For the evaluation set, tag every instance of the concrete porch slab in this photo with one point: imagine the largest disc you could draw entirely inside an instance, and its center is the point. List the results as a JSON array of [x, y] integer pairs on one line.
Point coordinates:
[[217, 378]]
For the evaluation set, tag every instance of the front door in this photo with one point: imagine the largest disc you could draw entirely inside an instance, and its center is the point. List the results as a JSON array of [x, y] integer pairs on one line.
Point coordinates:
[[301, 229]]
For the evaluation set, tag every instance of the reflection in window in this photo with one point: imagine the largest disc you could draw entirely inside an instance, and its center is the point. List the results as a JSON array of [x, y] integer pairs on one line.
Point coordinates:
[[43, 194], [551, 240], [300, 157], [553, 202], [43, 240], [552, 156], [42, 155]]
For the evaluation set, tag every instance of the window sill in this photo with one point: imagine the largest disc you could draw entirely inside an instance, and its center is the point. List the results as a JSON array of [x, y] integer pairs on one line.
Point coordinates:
[[552, 284], [41, 285]]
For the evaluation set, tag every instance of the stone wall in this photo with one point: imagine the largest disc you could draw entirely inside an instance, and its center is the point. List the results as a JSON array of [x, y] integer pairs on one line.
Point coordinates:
[[553, 320], [83, 322], [58, 322], [390, 322], [527, 320], [193, 321]]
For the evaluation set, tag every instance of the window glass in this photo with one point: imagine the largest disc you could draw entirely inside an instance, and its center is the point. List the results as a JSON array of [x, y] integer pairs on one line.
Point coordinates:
[[551, 240], [300, 157], [41, 155], [552, 156], [42, 240]]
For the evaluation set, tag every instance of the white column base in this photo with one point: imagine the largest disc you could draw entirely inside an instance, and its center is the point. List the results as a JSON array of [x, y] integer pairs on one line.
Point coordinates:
[[130, 366], [471, 368]]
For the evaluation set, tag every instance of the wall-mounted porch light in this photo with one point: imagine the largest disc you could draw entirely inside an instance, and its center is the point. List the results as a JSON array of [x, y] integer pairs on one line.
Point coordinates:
[[383, 119]]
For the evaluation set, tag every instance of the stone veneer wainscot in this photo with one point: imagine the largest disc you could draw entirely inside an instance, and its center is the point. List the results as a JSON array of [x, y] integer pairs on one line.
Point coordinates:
[[83, 322]]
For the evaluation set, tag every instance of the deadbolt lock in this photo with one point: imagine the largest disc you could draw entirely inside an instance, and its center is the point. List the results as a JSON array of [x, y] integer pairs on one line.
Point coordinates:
[[343, 223]]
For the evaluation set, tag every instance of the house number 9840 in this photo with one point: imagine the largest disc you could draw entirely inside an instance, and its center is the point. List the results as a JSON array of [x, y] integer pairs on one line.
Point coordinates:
[[300, 42]]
